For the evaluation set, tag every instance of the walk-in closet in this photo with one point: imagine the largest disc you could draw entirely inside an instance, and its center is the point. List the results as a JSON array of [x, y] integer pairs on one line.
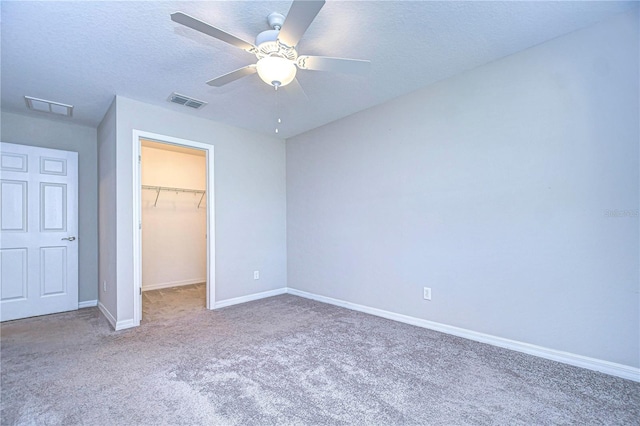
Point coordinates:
[[174, 227]]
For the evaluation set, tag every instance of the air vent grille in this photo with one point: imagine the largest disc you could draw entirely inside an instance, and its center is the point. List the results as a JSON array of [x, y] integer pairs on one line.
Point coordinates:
[[177, 98], [51, 107]]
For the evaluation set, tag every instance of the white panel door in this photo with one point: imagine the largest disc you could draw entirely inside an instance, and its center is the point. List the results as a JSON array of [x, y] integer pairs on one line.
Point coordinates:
[[39, 230]]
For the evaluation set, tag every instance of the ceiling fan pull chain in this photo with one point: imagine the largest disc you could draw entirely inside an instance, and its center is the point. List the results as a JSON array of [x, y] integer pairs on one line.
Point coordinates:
[[277, 108]]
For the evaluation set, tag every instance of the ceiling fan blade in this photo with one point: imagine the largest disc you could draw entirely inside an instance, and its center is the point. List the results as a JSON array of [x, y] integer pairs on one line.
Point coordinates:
[[323, 63], [295, 91], [300, 16], [232, 76], [203, 27]]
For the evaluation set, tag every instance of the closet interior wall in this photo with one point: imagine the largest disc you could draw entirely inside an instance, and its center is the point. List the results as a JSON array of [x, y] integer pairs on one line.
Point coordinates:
[[174, 222]]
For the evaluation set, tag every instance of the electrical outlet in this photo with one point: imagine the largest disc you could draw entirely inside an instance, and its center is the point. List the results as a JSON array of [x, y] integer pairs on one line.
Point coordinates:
[[104, 285], [426, 293], [256, 275]]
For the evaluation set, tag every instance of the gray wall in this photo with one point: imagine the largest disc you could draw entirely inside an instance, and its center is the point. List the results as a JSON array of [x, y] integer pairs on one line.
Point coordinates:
[[250, 203], [36, 130], [492, 188], [107, 210]]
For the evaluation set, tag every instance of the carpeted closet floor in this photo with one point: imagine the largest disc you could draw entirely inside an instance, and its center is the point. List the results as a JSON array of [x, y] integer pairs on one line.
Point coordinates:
[[164, 304], [284, 360]]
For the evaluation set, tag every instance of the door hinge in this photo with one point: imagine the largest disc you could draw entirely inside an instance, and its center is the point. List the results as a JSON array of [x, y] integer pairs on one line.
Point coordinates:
[[140, 288], [139, 158], [139, 225]]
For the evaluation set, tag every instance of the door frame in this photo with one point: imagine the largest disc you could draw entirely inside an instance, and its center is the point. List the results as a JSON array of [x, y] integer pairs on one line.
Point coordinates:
[[137, 215]]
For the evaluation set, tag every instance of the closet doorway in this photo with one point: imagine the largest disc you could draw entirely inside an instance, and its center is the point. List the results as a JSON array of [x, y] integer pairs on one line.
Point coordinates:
[[173, 248]]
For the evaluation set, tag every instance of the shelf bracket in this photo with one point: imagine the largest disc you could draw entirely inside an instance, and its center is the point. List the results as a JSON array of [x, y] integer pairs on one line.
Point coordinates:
[[157, 195]]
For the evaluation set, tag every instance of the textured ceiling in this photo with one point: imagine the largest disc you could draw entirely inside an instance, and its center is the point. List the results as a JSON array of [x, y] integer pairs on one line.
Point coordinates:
[[85, 52]]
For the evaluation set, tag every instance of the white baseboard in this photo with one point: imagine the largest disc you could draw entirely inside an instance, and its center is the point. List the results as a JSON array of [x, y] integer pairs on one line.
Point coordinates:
[[117, 325], [107, 315], [249, 298], [124, 324], [607, 367], [87, 304], [158, 286]]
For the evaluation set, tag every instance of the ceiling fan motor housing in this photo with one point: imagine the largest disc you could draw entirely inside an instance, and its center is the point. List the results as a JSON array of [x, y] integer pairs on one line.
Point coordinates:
[[268, 45], [267, 36]]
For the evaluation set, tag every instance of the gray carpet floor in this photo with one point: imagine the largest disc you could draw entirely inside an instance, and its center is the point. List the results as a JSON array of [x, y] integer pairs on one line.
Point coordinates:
[[284, 360]]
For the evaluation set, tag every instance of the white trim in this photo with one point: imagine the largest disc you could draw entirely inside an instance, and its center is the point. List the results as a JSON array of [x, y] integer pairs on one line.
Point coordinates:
[[117, 325], [168, 284], [249, 298], [87, 304], [107, 314], [137, 217], [607, 367], [124, 324], [137, 231]]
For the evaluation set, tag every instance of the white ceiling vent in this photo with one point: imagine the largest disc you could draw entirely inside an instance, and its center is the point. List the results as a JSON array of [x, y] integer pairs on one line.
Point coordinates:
[[51, 107], [177, 98]]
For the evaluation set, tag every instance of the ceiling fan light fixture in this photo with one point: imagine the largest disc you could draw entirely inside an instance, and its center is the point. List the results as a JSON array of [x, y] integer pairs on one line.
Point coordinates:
[[276, 71], [275, 49]]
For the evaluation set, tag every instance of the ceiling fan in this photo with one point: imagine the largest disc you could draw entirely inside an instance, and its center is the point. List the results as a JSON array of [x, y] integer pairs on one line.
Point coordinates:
[[275, 49]]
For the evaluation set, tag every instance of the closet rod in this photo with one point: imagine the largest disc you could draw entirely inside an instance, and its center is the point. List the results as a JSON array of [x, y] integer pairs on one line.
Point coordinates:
[[168, 188]]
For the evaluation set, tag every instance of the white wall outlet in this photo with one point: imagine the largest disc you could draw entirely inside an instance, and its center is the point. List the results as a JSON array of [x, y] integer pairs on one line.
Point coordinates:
[[426, 293], [104, 285], [256, 275]]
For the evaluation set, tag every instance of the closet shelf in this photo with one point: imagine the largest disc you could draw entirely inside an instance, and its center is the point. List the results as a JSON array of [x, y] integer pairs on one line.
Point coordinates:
[[170, 189]]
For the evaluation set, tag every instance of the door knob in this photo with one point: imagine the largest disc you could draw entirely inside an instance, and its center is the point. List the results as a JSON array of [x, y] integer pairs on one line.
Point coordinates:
[[70, 238]]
